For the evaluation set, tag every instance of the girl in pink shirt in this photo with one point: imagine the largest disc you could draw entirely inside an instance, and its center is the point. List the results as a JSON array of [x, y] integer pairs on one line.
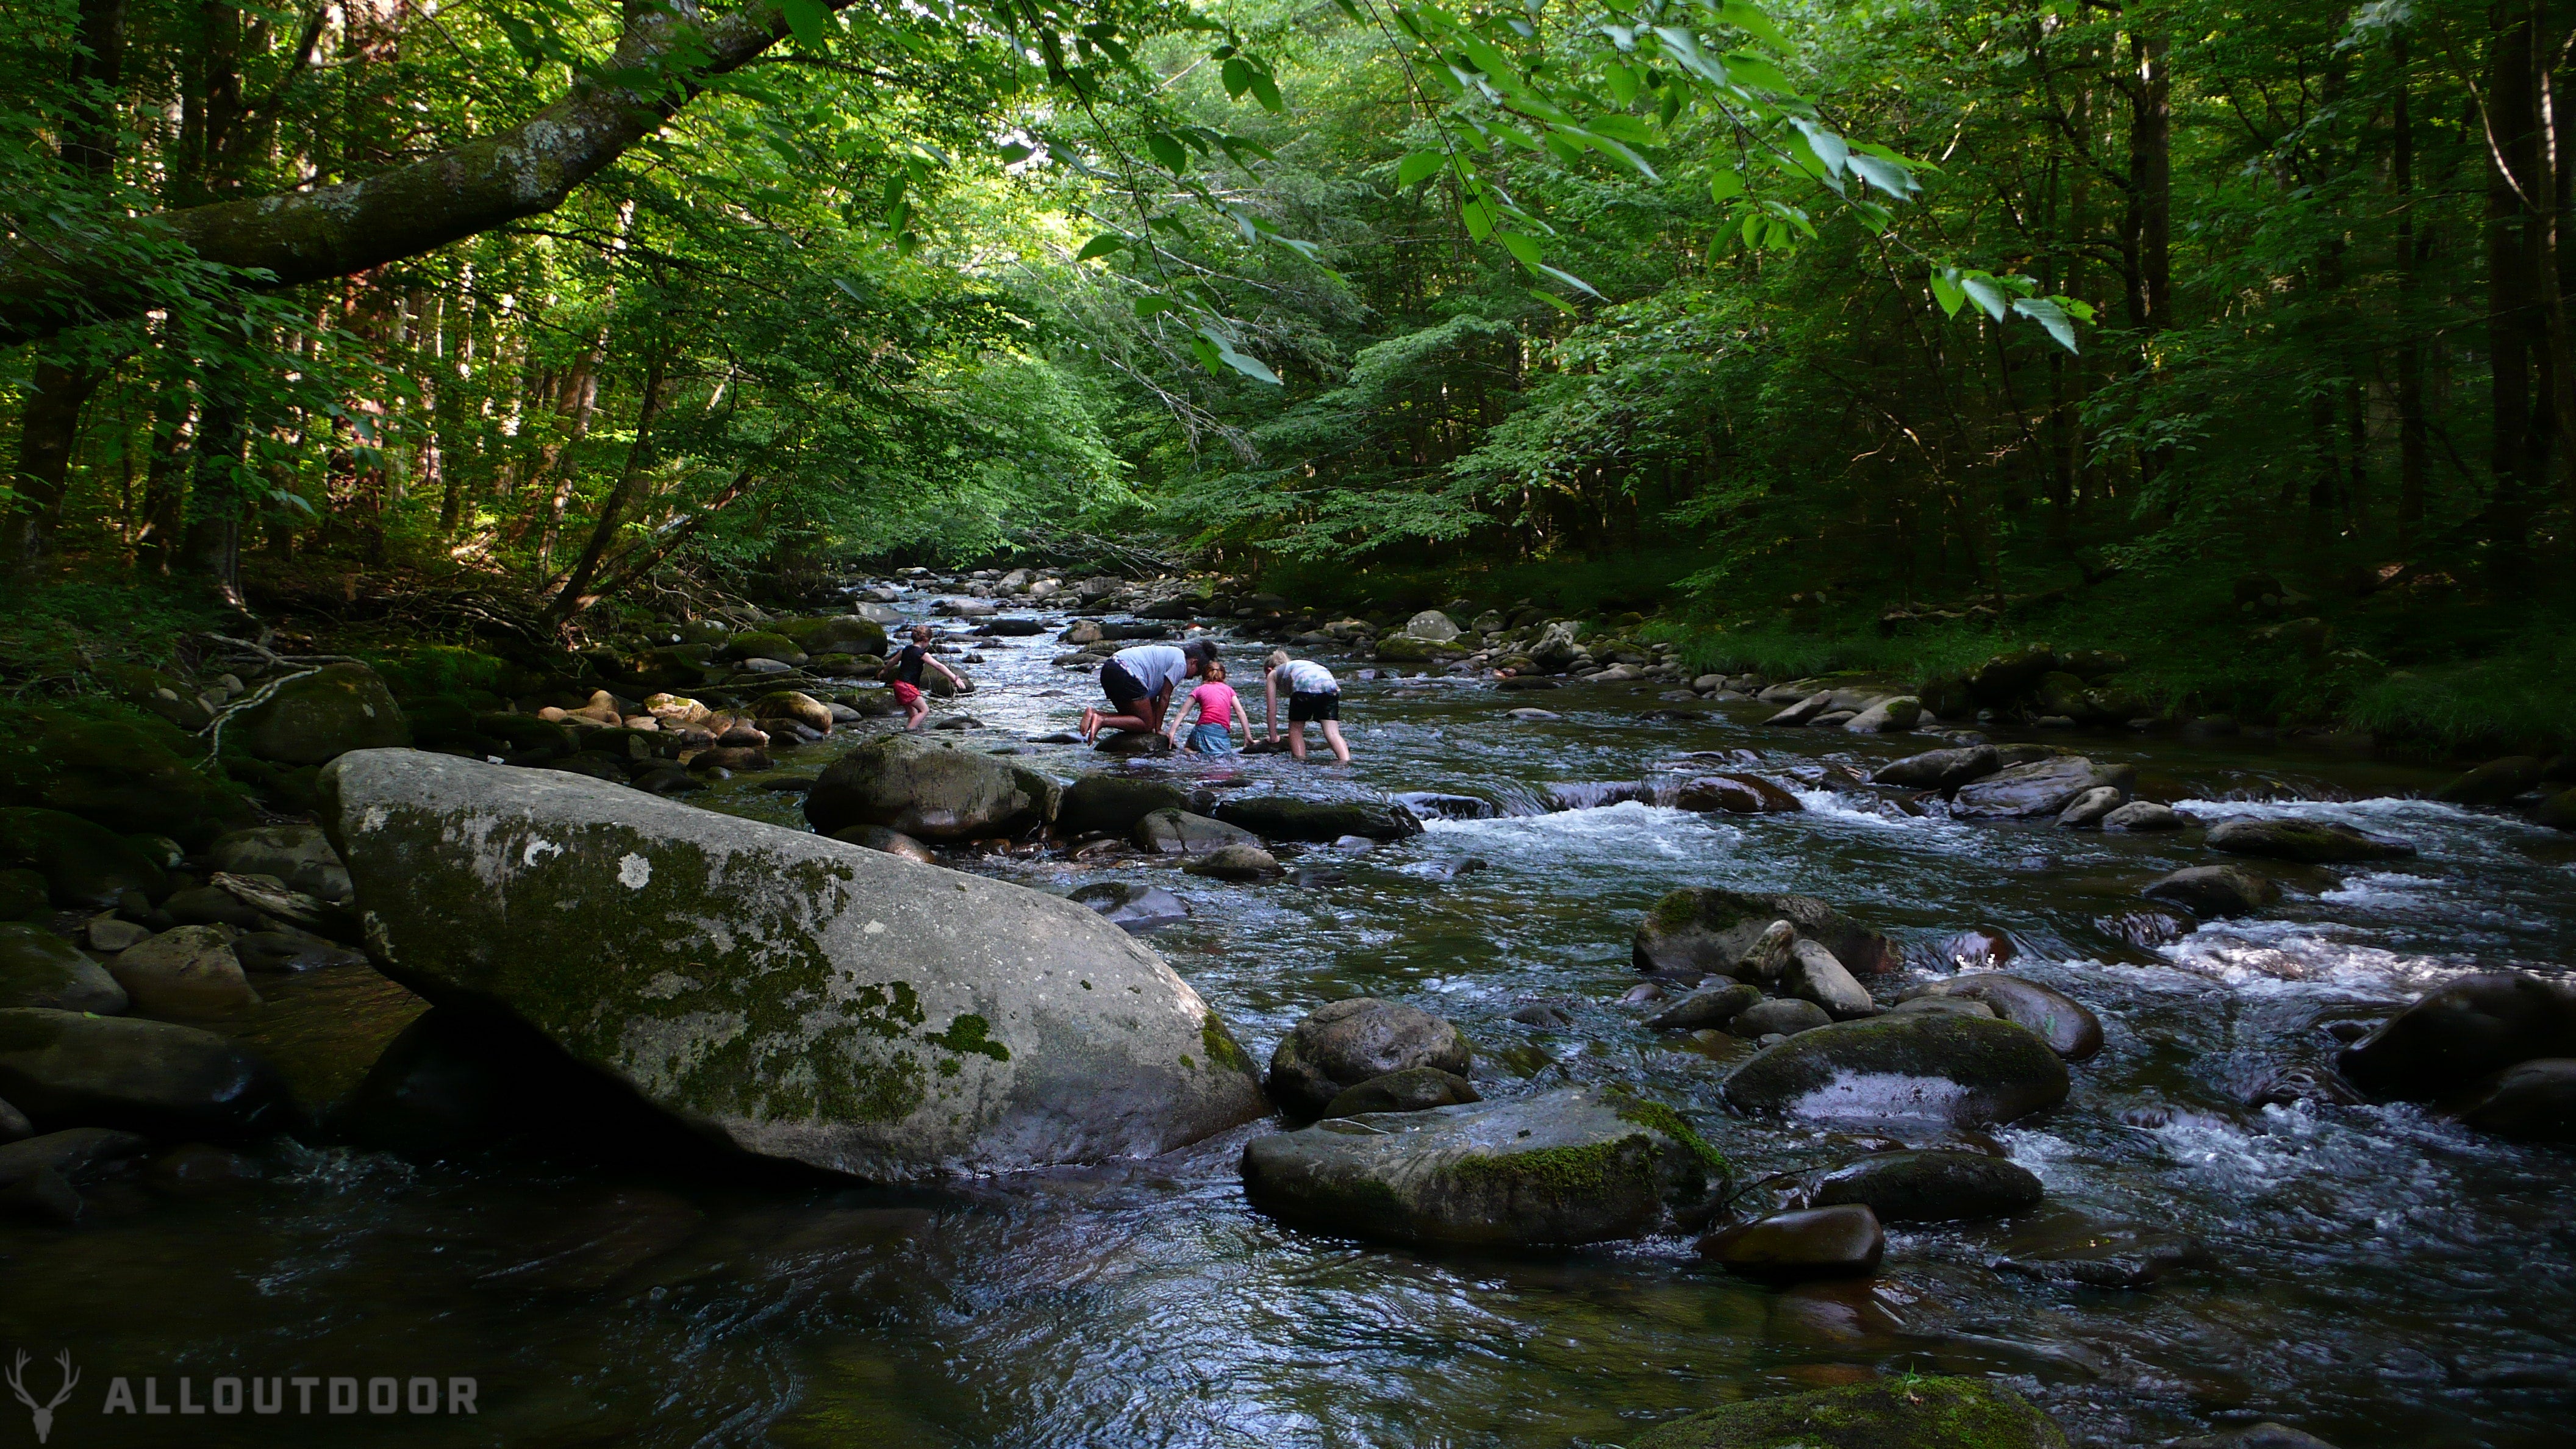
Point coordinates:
[[1219, 713]]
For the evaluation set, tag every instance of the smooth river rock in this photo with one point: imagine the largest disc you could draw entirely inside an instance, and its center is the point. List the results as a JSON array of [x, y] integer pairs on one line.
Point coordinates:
[[2533, 1101], [39, 968], [1814, 975], [1962, 1071], [1579, 1165], [1344, 1043], [1820, 1242], [2457, 1037], [2067, 1025], [1112, 804], [65, 1069], [799, 997], [1939, 769], [2042, 787], [1415, 1089], [928, 791], [1715, 1004], [1737, 795], [1178, 832], [2216, 890], [1133, 908], [2312, 842], [1703, 930], [190, 971], [1888, 1413], [1928, 1186], [1284, 817]]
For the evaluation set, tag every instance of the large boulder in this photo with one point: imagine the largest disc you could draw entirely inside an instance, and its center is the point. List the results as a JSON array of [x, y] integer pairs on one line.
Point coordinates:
[[126, 773], [1698, 930], [2312, 842], [2006, 677], [1112, 804], [85, 866], [39, 968], [837, 634], [1344, 1043], [2067, 1025], [1887, 716], [2495, 782], [65, 1069], [1572, 1166], [2533, 1101], [1964, 1071], [2216, 890], [2460, 1035], [929, 792], [1887, 1413], [308, 719], [1939, 769], [1431, 626], [1178, 832], [2042, 787], [799, 997], [299, 855], [1284, 817]]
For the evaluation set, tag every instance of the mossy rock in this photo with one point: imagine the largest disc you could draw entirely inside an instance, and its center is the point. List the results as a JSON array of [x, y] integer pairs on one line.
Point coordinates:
[[1961, 1071], [66, 1069], [2310, 842], [1894, 1413], [85, 866], [39, 968], [835, 634], [1114, 803], [165, 695], [762, 644], [519, 734], [24, 895], [319, 717], [929, 792], [127, 772]]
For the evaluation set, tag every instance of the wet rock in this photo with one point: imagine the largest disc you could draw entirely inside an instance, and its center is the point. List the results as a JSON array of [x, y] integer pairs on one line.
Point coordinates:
[[796, 706], [879, 1021], [318, 717], [190, 971], [1778, 1018], [1951, 1004], [41, 969], [209, 905], [1889, 1413], [1415, 1089], [2494, 782], [1980, 948], [1958, 1070], [64, 1069], [1114, 803], [1431, 805], [201, 1169], [1573, 1166], [2254, 1436], [1843, 1241], [1430, 626], [42, 1196], [2042, 787], [1804, 712], [23, 895], [291, 951], [2143, 816], [733, 758], [2301, 1082], [929, 792], [1531, 715], [2089, 808], [2558, 812], [75, 1155], [1698, 930], [1713, 1005], [2145, 929], [14, 1124], [1132, 742], [2312, 842], [2533, 1101], [2070, 1029], [1737, 795], [1929, 1186], [1345, 1043], [456, 1082], [1939, 769], [2100, 1259], [1814, 975], [1887, 716], [85, 866], [1236, 863], [1768, 958], [2462, 1034], [1134, 909], [1178, 832], [2216, 890], [1284, 817], [890, 842], [298, 855]]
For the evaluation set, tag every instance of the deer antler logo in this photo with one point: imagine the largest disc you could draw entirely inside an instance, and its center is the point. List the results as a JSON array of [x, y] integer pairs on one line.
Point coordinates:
[[44, 1412]]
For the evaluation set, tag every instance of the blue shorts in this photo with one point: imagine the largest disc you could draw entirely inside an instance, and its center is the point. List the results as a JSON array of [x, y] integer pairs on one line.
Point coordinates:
[[1210, 739]]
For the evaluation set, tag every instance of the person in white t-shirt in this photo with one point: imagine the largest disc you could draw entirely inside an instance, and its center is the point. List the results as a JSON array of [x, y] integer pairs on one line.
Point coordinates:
[[1138, 682], [1313, 694]]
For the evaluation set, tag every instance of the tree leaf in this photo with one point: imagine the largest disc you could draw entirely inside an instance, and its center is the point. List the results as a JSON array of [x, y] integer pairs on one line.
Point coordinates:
[[1887, 176], [2049, 316], [1553, 300], [1266, 90], [1100, 246], [1523, 247], [1983, 290], [1169, 153], [1237, 76], [1946, 291], [1417, 166], [1724, 186], [807, 19]]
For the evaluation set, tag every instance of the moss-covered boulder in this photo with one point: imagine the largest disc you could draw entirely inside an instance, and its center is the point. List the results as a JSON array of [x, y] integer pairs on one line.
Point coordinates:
[[39, 968], [1284, 817], [1898, 1413], [316, 717], [23, 895], [930, 792], [762, 644], [2311, 842], [2068, 1026], [127, 772], [299, 855], [86, 866], [1700, 930], [795, 705], [836, 634], [1575, 1166], [1961, 1071], [65, 1069], [2495, 782], [1112, 804], [800, 997]]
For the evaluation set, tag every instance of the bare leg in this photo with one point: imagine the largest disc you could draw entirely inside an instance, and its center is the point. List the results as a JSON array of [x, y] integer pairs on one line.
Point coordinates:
[[915, 712], [1333, 737], [1297, 742]]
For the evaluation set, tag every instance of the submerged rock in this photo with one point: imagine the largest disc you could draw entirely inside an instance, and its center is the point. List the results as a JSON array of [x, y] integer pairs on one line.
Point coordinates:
[[1700, 930], [1283, 817], [2462, 1034], [1737, 795], [2312, 842], [1565, 1167], [797, 996], [65, 1069], [1843, 1241], [1928, 1187], [1415, 1089], [929, 792], [2216, 890], [1888, 1413], [2067, 1025], [1959, 1070], [1344, 1043], [2042, 787], [41, 969]]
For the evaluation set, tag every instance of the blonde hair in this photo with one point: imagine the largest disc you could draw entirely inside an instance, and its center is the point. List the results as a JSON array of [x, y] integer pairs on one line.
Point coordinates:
[[1277, 658]]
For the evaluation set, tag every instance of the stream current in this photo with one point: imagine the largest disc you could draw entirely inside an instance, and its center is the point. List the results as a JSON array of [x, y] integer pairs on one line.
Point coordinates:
[[2373, 1274]]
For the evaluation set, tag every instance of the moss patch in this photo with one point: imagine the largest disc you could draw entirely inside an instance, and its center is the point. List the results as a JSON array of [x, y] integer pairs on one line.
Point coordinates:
[[1669, 1122]]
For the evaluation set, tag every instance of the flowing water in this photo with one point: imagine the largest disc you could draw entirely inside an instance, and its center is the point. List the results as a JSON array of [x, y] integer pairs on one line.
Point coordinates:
[[2373, 1274]]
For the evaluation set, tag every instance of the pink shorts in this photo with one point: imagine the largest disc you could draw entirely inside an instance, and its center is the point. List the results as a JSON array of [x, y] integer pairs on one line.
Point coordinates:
[[905, 694]]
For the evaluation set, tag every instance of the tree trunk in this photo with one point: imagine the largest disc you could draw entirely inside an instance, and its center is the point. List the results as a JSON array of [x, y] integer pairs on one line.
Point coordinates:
[[639, 456], [2414, 453], [2148, 227], [2508, 275]]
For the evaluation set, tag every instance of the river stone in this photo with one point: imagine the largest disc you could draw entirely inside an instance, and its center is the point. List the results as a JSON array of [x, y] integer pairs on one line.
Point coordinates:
[[1715, 1004], [891, 842], [77, 1153], [1415, 1089], [85, 866], [299, 855], [1284, 817], [1814, 975], [39, 968], [1236, 863], [2462, 1034], [790, 704], [2143, 815], [1928, 1187], [2090, 808], [2067, 1025], [1178, 832], [2311, 842], [1959, 1006], [189, 971], [1887, 716], [1843, 1241], [2558, 812], [65, 1069], [929, 792], [1737, 795], [1431, 626], [291, 951], [24, 895], [1578, 1165], [2266, 1435], [1939, 769], [1700, 930], [2494, 782], [1770, 954], [1134, 909], [1888, 1413], [1805, 711], [318, 717], [2042, 787], [796, 996], [1960, 1070], [14, 1124], [1344, 1043], [1114, 803], [2533, 1101], [2216, 890], [1786, 1017]]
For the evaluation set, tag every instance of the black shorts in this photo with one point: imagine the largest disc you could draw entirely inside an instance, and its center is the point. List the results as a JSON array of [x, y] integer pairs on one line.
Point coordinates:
[[1318, 705], [1121, 687]]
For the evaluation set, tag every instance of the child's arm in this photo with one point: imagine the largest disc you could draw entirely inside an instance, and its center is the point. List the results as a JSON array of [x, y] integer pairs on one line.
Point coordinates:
[[1243, 716], [1180, 710], [1270, 695], [953, 678]]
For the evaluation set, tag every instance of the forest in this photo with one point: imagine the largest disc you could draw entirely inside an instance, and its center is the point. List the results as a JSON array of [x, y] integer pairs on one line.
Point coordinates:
[[1884, 336]]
